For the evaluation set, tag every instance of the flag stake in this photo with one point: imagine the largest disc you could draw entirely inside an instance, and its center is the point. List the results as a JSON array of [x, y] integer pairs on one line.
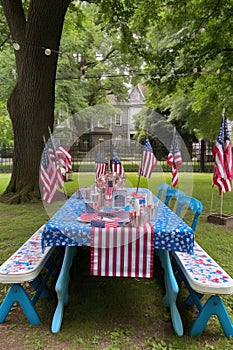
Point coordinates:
[[174, 158], [221, 205], [211, 202], [139, 176]]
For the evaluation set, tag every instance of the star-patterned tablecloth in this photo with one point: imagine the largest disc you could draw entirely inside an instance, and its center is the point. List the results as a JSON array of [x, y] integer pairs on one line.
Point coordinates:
[[64, 228]]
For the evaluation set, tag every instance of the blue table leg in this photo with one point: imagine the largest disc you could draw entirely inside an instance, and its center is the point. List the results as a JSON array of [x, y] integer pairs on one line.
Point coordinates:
[[172, 290], [61, 288]]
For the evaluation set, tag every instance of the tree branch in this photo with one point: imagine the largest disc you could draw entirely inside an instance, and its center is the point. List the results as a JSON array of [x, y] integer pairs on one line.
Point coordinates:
[[108, 55], [16, 20], [15, 17], [227, 49], [205, 19], [95, 63]]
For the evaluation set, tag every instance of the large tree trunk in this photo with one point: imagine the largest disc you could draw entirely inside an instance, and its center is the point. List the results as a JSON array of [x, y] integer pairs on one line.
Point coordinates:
[[31, 104]]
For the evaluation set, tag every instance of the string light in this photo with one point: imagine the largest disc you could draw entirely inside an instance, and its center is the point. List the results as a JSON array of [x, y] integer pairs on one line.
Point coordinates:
[[16, 46], [47, 52]]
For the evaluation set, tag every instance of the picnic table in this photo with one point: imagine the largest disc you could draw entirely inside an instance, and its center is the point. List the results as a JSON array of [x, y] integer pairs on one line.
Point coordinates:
[[171, 233]]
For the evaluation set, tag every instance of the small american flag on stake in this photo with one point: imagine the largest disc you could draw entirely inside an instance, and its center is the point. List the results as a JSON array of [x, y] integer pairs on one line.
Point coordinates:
[[100, 166], [149, 161], [117, 167], [174, 158], [223, 167]]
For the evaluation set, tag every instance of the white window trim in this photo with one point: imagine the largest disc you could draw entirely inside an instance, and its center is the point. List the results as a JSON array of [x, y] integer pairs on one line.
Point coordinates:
[[118, 122]]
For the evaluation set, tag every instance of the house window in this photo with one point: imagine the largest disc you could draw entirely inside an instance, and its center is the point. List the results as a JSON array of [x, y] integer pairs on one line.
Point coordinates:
[[118, 119]]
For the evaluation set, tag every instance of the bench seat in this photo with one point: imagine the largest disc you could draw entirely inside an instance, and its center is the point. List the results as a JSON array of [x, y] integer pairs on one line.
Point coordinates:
[[26, 265], [203, 275], [27, 262]]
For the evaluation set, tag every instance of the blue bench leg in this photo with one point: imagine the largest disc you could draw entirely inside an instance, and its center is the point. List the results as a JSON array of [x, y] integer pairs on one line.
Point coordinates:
[[213, 306], [172, 290], [17, 294], [36, 284], [62, 288]]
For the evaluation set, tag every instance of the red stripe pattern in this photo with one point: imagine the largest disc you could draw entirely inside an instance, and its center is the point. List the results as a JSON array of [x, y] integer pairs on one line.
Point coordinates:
[[223, 167], [149, 161], [174, 175], [48, 176], [55, 157], [122, 251], [100, 166], [174, 158], [117, 167]]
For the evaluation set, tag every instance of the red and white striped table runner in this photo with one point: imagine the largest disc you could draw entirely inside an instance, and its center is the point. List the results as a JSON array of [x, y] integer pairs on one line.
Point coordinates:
[[122, 251]]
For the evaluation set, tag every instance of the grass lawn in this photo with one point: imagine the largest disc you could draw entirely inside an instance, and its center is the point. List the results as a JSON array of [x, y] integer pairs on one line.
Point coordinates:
[[115, 313]]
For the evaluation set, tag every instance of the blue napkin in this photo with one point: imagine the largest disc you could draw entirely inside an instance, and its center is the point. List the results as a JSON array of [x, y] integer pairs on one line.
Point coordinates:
[[96, 223]]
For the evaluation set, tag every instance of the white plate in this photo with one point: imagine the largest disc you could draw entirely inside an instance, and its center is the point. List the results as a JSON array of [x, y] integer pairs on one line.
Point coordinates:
[[85, 221], [120, 220]]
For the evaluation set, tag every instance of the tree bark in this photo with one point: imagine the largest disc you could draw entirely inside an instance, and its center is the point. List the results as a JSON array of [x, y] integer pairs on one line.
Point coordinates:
[[31, 104]]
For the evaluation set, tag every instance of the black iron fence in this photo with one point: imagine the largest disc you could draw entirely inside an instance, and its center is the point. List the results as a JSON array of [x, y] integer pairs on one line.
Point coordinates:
[[6, 159], [199, 159]]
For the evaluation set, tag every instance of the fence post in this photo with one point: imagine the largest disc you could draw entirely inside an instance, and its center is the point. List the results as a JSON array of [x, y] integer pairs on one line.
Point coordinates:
[[202, 160]]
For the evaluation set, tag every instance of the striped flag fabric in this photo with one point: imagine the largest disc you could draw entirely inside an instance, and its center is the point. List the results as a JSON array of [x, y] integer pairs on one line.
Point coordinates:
[[100, 166], [110, 187], [122, 251], [48, 176], [55, 160], [149, 160], [223, 166], [174, 158], [63, 155], [174, 175], [117, 167]]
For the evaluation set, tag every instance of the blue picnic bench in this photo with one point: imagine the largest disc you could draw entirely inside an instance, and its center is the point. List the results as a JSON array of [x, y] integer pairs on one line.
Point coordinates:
[[26, 265]]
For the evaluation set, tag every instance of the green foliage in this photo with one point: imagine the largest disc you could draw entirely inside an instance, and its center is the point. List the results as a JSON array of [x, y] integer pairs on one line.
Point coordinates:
[[6, 132], [8, 80], [85, 42], [189, 61], [186, 48]]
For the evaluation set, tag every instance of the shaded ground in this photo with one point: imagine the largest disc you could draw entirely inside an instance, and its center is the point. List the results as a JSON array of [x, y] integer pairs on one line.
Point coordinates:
[[105, 314]]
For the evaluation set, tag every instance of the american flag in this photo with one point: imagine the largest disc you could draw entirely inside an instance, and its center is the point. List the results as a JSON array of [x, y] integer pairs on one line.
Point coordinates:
[[63, 155], [117, 167], [122, 251], [149, 161], [174, 158], [48, 176], [55, 160], [100, 166], [223, 168]]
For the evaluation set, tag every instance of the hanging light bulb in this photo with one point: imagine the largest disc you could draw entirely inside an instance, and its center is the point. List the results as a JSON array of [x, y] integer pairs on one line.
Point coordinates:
[[16, 46], [47, 52]]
